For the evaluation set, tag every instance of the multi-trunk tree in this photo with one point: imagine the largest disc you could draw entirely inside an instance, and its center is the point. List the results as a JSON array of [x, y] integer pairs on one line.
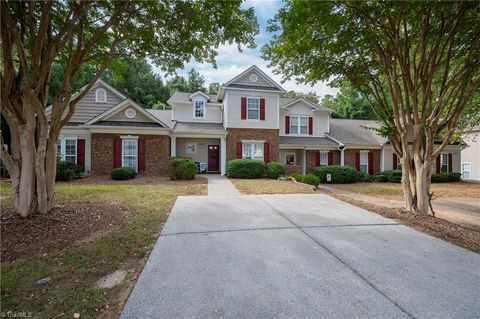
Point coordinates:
[[419, 61], [35, 34]]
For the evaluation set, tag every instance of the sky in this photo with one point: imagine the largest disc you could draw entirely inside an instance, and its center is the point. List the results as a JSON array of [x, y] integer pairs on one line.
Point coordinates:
[[231, 62]]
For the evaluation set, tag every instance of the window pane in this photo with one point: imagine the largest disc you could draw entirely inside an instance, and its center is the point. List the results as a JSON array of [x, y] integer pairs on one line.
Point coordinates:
[[364, 162], [199, 108], [247, 150], [253, 108], [59, 147], [290, 159], [294, 124], [70, 147], [444, 163], [129, 153], [303, 125], [323, 158], [258, 151]]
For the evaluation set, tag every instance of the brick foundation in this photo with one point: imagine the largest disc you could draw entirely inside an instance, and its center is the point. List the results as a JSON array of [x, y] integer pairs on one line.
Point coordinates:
[[270, 136], [157, 153]]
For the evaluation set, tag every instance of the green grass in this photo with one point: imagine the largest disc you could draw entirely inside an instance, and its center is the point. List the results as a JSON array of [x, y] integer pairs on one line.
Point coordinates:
[[75, 271]]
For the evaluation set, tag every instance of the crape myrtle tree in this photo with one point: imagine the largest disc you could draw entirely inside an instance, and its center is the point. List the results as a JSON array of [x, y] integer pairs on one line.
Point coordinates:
[[418, 61], [35, 34]]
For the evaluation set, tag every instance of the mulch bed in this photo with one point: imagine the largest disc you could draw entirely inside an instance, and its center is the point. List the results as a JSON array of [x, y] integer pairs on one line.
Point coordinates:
[[467, 238], [140, 179], [62, 228]]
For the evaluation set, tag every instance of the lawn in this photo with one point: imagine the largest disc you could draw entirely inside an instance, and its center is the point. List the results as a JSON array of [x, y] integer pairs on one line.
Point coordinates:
[[74, 271], [270, 186], [394, 191]]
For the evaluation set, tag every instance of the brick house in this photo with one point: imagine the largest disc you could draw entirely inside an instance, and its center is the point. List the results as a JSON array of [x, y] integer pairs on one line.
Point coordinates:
[[248, 118]]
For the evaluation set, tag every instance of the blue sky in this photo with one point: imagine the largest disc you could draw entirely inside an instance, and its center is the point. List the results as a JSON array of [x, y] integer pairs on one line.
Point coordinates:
[[230, 62]]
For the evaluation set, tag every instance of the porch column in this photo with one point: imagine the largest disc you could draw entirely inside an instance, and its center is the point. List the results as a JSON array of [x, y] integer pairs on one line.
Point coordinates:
[[223, 155], [382, 159], [304, 161], [173, 146], [342, 157]]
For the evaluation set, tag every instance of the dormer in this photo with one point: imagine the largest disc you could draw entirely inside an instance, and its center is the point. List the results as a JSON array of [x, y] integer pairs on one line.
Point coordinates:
[[299, 117], [199, 101], [195, 107]]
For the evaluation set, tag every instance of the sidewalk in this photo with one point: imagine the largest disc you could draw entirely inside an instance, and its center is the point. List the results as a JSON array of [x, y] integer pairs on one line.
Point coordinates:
[[220, 186], [462, 211]]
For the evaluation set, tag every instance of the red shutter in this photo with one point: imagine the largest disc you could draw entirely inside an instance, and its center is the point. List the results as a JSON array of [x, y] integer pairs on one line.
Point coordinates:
[[262, 109], [438, 164], [357, 161], [81, 153], [266, 152], [244, 108], [239, 149], [370, 163], [141, 154], [449, 162], [287, 124], [317, 158], [330, 158], [310, 125], [395, 166], [117, 152]]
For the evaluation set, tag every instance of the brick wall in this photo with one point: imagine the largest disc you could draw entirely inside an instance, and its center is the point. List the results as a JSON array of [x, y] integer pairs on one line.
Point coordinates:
[[157, 153], [289, 169], [235, 135], [350, 158], [311, 159]]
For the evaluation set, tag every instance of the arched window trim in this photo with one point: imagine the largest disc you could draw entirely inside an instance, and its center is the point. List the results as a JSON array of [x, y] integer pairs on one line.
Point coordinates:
[[97, 99]]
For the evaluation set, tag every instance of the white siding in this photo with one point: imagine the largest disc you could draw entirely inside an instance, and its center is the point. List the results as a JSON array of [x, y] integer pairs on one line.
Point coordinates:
[[201, 155], [234, 118], [298, 156], [81, 134], [120, 116], [184, 112], [320, 119], [471, 154]]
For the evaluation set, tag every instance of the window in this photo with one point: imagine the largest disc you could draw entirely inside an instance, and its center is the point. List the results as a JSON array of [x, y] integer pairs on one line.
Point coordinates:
[[129, 153], [100, 96], [290, 159], [444, 163], [466, 170], [253, 108], [364, 161], [323, 158], [298, 124], [252, 150], [67, 149], [399, 162], [190, 148], [199, 109]]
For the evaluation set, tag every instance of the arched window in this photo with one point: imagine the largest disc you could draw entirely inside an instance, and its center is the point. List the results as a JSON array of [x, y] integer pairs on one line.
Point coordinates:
[[100, 96]]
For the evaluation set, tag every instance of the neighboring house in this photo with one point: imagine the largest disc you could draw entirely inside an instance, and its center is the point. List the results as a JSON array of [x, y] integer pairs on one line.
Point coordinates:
[[470, 167], [248, 118]]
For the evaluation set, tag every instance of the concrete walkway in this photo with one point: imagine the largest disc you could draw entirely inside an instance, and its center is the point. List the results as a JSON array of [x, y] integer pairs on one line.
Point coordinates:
[[459, 210], [220, 186], [299, 256]]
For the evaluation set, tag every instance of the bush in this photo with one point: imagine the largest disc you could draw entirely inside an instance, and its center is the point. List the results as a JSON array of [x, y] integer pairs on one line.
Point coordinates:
[[364, 177], [123, 173], [66, 171], [297, 176], [446, 177], [311, 179], [380, 178], [275, 170], [392, 176], [245, 168], [181, 168], [340, 174]]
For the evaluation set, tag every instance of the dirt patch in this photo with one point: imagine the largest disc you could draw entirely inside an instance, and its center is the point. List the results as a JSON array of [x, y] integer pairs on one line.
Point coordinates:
[[140, 179], [64, 227], [467, 238]]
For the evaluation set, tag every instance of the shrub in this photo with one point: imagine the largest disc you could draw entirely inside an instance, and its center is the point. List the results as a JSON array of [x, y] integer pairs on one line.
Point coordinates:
[[364, 177], [123, 173], [446, 177], [66, 171], [297, 176], [392, 176], [380, 178], [311, 179], [339, 174], [275, 170], [181, 168], [245, 168]]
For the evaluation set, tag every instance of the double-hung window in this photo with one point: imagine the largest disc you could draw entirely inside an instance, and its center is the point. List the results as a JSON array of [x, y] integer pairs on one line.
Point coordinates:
[[252, 150], [323, 158], [444, 163], [466, 169], [298, 125], [199, 109], [290, 159], [130, 153], [364, 161], [67, 149], [253, 108]]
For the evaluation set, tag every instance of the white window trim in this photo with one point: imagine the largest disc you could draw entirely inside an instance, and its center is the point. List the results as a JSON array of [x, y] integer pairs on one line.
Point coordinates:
[[252, 142], [364, 152], [469, 169], [204, 109], [186, 148], [299, 121], [326, 161], [97, 100], [63, 148], [294, 158], [253, 98], [442, 163], [129, 138]]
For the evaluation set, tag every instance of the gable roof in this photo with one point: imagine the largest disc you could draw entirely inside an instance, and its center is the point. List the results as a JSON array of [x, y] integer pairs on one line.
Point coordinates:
[[184, 98], [163, 115], [199, 93], [287, 102], [274, 85], [355, 132]]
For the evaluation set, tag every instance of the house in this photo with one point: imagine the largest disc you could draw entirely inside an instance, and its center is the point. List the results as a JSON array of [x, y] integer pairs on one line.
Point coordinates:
[[470, 167], [248, 118]]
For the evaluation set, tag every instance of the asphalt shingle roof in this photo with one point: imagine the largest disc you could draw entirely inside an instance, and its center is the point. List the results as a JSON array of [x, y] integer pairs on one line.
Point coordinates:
[[183, 97], [355, 132], [306, 140], [163, 115], [200, 128]]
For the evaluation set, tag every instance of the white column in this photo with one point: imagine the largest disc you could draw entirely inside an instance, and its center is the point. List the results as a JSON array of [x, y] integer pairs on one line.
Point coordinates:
[[173, 146], [342, 157], [382, 159], [223, 155], [304, 160]]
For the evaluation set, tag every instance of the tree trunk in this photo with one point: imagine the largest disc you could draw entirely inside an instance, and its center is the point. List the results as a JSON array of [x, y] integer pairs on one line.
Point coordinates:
[[25, 193]]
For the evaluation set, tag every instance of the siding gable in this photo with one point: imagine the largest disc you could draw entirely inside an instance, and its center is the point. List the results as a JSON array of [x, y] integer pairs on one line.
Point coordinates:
[[253, 78]]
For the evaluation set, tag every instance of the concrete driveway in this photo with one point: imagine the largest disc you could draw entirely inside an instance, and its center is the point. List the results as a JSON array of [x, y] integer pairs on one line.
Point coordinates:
[[299, 256]]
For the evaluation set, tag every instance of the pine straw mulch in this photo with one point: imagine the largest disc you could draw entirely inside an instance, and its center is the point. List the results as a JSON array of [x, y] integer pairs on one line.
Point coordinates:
[[140, 179], [65, 226], [467, 238]]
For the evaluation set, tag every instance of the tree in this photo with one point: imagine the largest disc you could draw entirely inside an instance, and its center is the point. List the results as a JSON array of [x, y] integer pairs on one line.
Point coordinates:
[[213, 88], [349, 103], [195, 81], [418, 60], [311, 96], [76, 33], [177, 83]]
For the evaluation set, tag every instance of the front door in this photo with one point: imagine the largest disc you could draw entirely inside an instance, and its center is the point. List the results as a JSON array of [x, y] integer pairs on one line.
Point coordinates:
[[213, 158]]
